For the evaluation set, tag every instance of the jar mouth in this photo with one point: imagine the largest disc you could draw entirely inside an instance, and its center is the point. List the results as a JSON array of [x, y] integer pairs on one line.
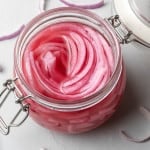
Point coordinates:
[[68, 14]]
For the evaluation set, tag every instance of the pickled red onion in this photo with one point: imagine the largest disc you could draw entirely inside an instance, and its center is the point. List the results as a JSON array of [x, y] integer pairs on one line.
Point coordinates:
[[68, 61], [12, 35], [90, 6]]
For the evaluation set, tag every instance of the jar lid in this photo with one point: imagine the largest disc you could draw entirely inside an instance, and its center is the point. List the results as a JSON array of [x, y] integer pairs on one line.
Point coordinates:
[[135, 15]]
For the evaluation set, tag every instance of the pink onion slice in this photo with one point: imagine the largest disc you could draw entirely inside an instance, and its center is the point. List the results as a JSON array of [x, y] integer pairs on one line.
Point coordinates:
[[136, 140], [12, 35], [90, 6]]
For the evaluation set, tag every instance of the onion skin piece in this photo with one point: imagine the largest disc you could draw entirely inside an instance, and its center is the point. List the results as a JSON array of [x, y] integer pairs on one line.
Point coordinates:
[[90, 6], [12, 35]]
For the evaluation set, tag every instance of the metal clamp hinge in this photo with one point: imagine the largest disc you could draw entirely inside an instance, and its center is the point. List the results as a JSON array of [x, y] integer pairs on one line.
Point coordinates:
[[123, 34], [10, 87]]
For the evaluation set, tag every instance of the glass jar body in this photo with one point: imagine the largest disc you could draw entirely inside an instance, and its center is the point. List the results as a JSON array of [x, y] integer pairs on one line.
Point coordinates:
[[82, 120], [86, 114]]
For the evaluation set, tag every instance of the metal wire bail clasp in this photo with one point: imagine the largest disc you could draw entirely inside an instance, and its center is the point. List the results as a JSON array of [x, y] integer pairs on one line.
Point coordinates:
[[123, 34], [10, 87]]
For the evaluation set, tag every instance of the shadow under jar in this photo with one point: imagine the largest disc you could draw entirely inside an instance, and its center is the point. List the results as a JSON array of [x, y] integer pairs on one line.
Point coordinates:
[[69, 69]]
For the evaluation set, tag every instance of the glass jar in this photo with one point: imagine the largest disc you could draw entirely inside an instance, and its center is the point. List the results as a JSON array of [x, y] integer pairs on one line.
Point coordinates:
[[71, 116]]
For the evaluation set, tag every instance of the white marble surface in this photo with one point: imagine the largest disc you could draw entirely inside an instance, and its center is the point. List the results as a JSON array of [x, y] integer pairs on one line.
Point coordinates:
[[31, 136]]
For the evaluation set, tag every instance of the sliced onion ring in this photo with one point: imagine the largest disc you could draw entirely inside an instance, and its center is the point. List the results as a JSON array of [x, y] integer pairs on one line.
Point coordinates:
[[12, 35], [42, 5], [146, 114], [136, 140], [90, 6]]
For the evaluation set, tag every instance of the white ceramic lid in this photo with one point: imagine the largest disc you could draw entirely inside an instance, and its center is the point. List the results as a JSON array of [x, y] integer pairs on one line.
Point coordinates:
[[135, 15]]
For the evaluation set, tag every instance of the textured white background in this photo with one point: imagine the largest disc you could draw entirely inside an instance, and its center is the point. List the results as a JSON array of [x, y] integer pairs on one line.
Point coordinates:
[[31, 136]]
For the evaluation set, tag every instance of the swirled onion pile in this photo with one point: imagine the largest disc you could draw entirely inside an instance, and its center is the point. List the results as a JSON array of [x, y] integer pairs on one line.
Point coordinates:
[[68, 61]]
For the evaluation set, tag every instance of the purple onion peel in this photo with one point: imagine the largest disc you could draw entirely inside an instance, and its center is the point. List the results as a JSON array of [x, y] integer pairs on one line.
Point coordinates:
[[90, 6], [12, 35]]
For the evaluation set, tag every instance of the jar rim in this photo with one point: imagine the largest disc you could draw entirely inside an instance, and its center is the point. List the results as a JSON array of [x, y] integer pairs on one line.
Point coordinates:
[[85, 102]]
